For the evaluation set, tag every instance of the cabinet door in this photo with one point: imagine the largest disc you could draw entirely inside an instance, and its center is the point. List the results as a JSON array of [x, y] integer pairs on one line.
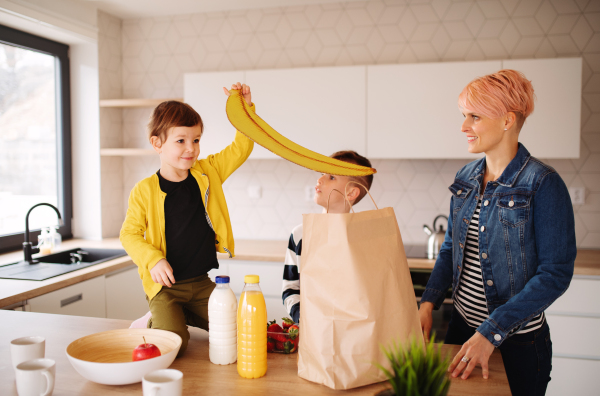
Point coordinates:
[[580, 299], [574, 336], [553, 129], [413, 109], [204, 92], [125, 297], [573, 377], [322, 108], [86, 298]]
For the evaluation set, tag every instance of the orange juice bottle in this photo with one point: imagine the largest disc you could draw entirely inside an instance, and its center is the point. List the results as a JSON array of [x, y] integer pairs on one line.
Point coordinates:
[[252, 330]]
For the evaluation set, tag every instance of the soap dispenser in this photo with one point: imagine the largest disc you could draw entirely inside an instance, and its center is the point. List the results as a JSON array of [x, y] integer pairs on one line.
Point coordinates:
[[44, 242], [55, 237]]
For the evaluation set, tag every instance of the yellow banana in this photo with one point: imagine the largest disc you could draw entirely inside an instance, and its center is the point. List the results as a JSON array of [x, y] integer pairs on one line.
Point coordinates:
[[260, 132]]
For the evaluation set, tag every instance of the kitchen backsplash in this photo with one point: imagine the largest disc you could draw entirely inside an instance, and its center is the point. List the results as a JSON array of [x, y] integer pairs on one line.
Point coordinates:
[[148, 57]]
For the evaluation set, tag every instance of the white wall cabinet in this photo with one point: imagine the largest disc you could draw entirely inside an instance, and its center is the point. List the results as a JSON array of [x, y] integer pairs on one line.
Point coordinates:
[[413, 109], [320, 108], [125, 297], [553, 130], [271, 276], [85, 298], [574, 320]]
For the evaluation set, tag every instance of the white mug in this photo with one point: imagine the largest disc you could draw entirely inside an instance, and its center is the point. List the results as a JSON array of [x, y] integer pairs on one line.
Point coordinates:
[[36, 377], [167, 382], [27, 348]]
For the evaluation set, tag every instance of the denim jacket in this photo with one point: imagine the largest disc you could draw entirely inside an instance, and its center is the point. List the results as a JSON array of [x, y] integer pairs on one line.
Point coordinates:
[[526, 242]]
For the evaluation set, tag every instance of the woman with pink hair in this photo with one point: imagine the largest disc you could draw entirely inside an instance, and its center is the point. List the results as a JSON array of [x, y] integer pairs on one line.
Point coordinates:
[[510, 246]]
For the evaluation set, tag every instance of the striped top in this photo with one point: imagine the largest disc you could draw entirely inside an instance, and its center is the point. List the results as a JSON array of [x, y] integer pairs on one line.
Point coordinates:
[[290, 291], [470, 298]]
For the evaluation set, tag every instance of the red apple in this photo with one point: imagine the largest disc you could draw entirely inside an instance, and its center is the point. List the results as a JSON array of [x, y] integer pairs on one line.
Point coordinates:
[[145, 351]]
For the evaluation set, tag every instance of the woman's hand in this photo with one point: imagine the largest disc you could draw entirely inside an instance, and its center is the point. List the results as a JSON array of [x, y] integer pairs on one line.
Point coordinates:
[[162, 273], [245, 91], [425, 317], [478, 350]]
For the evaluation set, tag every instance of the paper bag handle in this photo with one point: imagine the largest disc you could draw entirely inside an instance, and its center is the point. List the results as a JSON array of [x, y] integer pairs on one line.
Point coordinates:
[[366, 189], [345, 200], [345, 195]]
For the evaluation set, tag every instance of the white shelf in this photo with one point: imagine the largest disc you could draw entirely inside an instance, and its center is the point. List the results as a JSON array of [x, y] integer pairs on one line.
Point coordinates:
[[135, 102], [125, 152]]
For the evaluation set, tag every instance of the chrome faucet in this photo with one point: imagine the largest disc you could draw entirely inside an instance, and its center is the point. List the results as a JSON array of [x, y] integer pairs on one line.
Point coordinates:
[[76, 258], [28, 250]]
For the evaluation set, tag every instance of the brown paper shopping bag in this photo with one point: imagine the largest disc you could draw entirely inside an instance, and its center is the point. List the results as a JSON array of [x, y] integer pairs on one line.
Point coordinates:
[[356, 294]]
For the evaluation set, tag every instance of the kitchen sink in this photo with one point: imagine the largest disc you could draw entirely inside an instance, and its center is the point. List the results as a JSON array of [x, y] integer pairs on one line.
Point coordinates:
[[58, 263]]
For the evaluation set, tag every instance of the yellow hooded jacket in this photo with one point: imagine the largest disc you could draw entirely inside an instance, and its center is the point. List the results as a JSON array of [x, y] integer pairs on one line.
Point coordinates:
[[146, 213]]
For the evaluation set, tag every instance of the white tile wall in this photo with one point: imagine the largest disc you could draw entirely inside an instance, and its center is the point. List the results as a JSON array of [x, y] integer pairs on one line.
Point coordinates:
[[157, 51]]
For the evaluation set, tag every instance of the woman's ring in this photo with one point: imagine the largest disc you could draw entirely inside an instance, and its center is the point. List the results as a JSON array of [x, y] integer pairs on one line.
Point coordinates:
[[465, 359]]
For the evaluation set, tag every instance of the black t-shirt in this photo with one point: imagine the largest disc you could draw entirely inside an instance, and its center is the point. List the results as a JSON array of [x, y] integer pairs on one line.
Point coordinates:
[[190, 240]]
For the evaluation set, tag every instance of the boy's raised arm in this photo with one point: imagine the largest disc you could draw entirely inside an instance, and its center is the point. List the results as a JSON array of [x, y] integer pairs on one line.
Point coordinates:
[[132, 238], [234, 155]]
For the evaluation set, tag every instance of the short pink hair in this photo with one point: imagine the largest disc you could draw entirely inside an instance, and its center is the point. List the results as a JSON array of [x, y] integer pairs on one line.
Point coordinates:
[[497, 94]]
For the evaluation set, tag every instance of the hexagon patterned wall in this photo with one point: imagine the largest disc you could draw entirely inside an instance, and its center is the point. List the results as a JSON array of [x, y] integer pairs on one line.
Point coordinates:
[[156, 52]]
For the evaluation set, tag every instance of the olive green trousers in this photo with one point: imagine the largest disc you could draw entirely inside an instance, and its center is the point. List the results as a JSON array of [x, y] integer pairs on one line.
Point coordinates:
[[185, 303]]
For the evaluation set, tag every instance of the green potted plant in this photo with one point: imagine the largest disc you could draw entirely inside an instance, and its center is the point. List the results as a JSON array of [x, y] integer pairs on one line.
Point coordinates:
[[416, 370]]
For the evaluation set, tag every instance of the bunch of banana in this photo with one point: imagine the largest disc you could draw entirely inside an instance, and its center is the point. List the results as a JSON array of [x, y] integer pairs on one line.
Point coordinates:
[[260, 132]]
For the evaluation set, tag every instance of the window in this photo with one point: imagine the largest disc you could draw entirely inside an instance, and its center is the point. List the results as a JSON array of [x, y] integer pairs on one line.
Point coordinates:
[[35, 136]]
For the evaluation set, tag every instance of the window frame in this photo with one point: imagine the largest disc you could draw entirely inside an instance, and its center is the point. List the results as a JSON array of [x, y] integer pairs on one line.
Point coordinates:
[[17, 38]]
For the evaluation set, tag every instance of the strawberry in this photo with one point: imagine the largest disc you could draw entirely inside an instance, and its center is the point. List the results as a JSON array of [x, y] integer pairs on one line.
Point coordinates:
[[273, 327], [293, 335], [270, 346], [289, 347], [293, 332], [279, 346], [287, 323]]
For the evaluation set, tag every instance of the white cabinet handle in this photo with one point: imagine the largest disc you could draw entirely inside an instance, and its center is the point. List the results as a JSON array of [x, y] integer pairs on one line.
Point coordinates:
[[71, 300]]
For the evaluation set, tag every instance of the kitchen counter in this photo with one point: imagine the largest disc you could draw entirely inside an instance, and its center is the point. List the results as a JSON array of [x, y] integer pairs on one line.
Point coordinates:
[[14, 291], [199, 375]]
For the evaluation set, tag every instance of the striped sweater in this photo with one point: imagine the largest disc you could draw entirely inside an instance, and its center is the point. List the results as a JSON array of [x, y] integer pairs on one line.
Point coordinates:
[[290, 292], [470, 300]]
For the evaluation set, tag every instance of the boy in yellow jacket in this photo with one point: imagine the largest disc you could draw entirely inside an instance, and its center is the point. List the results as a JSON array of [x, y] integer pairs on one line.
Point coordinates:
[[177, 218]]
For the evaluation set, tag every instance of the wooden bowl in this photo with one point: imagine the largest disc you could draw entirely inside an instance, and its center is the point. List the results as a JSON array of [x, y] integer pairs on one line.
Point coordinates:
[[105, 357]]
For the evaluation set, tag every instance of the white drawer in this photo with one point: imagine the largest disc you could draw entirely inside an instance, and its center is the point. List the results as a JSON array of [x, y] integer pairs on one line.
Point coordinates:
[[574, 377], [574, 336], [125, 297], [82, 299], [270, 273], [582, 297]]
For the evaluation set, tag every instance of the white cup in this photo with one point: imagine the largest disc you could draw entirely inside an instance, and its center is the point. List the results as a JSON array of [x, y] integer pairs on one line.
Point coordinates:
[[27, 348], [36, 377], [167, 382]]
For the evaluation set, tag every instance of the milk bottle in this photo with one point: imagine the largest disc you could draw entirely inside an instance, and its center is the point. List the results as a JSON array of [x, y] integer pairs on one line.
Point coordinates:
[[222, 326]]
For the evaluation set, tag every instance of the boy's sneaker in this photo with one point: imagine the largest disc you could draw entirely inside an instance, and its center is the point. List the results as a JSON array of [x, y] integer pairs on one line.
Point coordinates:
[[141, 323]]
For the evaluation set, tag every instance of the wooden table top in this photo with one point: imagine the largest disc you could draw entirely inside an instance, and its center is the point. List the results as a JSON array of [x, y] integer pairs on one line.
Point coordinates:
[[199, 375]]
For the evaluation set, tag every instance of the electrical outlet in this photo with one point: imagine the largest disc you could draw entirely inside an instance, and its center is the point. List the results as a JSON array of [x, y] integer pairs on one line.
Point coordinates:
[[254, 192], [577, 195], [309, 193]]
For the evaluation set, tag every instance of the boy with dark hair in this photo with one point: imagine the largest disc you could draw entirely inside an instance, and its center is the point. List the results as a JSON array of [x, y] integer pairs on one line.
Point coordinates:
[[181, 207], [337, 204]]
